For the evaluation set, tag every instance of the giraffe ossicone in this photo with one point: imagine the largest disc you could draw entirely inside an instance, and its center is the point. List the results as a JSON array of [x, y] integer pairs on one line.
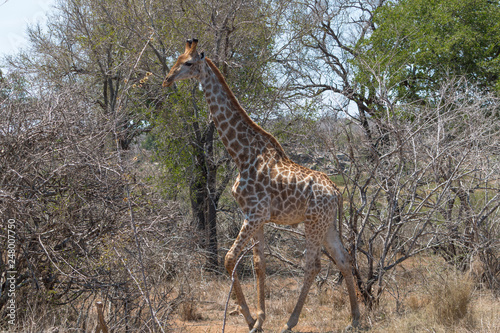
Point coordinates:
[[269, 188]]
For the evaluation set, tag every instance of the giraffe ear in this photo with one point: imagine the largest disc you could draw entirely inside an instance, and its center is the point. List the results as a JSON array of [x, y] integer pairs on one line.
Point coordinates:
[[193, 45], [202, 55], [189, 42]]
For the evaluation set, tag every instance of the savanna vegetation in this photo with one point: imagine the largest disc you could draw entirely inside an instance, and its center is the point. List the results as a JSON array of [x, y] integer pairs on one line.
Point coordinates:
[[117, 189]]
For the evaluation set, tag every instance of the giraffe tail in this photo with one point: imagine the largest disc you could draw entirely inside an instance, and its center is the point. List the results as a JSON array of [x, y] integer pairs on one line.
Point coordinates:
[[340, 212]]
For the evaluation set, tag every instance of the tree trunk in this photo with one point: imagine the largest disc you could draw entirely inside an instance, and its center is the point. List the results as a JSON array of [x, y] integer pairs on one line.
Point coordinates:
[[213, 262], [204, 196]]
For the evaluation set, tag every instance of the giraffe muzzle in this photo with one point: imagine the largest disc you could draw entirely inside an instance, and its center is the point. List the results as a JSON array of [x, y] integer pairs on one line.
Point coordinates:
[[167, 82]]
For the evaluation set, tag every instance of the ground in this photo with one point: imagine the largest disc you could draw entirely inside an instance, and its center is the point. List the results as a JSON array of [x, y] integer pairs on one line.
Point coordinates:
[[421, 297]]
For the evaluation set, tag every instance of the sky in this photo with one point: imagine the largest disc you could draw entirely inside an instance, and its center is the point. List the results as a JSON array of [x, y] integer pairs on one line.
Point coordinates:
[[15, 16]]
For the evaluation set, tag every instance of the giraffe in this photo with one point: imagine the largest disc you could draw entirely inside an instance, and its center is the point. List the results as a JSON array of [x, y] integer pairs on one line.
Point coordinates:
[[269, 188]]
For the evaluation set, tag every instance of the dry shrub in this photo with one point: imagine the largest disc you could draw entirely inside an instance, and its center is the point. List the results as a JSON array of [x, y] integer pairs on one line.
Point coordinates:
[[416, 302], [450, 298], [87, 224]]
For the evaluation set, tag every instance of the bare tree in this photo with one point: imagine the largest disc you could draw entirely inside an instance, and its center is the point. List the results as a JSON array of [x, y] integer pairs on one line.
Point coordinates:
[[411, 170], [435, 187]]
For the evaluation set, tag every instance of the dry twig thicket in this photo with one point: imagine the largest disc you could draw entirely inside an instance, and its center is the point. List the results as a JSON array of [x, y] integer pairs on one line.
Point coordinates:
[[86, 224], [430, 183]]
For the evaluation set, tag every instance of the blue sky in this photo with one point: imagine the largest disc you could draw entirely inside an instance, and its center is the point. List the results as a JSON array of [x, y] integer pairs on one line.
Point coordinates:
[[15, 16]]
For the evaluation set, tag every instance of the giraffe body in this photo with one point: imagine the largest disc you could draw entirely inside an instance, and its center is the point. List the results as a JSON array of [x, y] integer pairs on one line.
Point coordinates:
[[269, 188]]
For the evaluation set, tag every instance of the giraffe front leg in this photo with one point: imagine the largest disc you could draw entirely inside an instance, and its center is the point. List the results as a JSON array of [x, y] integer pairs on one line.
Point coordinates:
[[230, 264], [260, 272]]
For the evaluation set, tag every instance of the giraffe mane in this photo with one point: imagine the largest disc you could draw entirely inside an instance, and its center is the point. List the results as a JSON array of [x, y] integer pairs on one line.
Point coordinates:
[[242, 111]]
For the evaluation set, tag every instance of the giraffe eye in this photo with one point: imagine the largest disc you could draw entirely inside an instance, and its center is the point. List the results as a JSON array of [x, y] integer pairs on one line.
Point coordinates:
[[188, 64]]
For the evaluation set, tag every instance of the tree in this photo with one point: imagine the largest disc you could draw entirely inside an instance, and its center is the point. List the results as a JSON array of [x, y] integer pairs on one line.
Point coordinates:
[[415, 44], [415, 49], [121, 50], [70, 199], [394, 199], [319, 61], [240, 38], [93, 43]]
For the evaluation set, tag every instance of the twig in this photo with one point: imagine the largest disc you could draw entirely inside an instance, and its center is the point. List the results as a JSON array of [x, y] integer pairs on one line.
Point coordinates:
[[285, 260], [57, 267]]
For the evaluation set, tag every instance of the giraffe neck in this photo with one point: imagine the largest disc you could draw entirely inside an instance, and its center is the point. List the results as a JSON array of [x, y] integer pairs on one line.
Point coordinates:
[[242, 137]]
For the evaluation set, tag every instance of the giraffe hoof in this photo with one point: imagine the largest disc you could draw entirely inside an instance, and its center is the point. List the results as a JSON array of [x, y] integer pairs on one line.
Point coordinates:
[[351, 328], [286, 329], [256, 330]]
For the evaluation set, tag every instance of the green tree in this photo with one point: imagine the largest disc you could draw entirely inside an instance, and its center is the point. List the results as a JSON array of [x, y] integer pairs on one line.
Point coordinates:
[[417, 44], [240, 42]]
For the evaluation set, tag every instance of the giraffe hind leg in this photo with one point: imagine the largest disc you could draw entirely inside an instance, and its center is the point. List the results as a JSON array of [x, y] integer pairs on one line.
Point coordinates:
[[335, 248]]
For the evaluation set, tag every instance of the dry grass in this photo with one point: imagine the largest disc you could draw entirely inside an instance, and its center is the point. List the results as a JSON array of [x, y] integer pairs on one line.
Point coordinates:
[[437, 299], [451, 297], [430, 299], [424, 296], [188, 311]]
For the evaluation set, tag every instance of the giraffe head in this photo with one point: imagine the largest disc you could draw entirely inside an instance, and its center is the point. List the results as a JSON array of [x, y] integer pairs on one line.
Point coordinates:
[[188, 65]]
